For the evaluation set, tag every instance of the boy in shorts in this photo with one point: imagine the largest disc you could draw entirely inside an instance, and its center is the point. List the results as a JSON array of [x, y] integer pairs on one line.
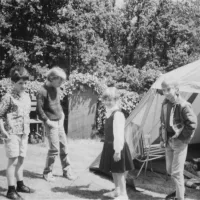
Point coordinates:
[[15, 108]]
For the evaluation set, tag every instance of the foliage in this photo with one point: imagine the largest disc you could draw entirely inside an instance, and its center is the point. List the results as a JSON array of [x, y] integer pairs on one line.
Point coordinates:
[[79, 80], [124, 46], [134, 79], [162, 32], [76, 80], [54, 32], [6, 86]]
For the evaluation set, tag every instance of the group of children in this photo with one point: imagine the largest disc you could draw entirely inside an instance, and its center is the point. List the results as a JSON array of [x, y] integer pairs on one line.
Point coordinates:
[[15, 107]]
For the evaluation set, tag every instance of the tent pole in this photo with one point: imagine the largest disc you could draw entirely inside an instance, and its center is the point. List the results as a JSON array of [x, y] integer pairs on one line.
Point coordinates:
[[149, 149]]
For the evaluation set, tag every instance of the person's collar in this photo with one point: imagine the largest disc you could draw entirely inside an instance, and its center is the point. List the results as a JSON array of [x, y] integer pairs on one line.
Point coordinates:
[[177, 101], [16, 93], [116, 107], [48, 84]]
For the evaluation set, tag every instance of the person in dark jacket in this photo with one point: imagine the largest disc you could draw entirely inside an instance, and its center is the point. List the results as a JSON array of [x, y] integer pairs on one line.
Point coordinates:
[[178, 124], [51, 112]]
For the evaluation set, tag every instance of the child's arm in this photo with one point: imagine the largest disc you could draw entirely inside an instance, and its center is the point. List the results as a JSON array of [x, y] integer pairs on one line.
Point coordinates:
[[60, 97], [29, 104], [40, 105], [190, 121], [4, 105], [118, 132]]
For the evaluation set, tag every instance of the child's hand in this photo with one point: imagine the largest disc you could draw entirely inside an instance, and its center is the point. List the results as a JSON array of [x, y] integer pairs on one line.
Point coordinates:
[[162, 145], [177, 133], [50, 123], [178, 129], [117, 157], [6, 135]]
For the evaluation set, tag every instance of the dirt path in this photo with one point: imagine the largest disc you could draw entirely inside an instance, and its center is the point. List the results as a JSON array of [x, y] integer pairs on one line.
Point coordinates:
[[86, 186]]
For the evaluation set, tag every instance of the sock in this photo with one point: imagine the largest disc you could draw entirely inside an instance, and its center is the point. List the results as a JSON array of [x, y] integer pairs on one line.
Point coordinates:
[[11, 188], [20, 183], [117, 190]]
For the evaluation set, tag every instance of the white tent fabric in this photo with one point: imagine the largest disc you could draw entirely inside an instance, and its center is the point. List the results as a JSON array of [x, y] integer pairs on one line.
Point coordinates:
[[188, 77], [145, 119]]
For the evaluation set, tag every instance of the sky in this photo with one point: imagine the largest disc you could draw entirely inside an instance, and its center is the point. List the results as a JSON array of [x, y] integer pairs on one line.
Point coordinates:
[[119, 3]]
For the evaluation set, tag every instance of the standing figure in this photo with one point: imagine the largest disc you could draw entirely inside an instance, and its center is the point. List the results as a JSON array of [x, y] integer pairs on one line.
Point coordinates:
[[115, 157], [51, 112], [178, 124], [15, 108]]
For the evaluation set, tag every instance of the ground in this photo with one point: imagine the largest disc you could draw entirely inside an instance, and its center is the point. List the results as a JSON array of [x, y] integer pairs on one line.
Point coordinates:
[[88, 185]]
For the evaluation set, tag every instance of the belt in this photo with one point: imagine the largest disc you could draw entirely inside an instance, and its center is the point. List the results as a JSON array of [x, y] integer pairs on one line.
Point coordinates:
[[55, 120]]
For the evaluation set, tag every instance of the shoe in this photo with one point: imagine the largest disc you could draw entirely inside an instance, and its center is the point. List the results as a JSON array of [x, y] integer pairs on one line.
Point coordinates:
[[111, 194], [14, 195], [122, 197], [25, 189], [49, 177], [171, 196], [69, 174]]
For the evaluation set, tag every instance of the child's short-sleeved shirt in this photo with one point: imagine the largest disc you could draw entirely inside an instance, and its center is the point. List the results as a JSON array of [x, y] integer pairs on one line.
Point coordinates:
[[14, 111]]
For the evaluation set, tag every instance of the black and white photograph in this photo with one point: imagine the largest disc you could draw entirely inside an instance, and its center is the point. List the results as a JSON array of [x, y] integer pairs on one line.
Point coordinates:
[[99, 99]]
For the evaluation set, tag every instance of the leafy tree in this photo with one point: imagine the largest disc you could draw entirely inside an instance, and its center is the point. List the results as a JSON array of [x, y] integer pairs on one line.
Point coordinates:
[[41, 33], [128, 47]]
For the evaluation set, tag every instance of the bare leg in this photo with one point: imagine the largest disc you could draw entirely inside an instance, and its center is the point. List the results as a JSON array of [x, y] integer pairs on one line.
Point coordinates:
[[116, 191], [117, 188], [19, 169], [122, 183], [10, 172]]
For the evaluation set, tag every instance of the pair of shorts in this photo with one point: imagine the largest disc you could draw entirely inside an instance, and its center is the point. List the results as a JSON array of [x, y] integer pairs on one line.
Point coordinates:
[[16, 145]]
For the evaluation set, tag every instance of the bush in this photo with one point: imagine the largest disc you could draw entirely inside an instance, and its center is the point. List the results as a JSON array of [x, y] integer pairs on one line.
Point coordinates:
[[77, 81], [6, 86]]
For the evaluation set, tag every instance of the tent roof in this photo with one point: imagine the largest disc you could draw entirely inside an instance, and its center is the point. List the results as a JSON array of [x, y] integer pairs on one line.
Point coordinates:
[[188, 77]]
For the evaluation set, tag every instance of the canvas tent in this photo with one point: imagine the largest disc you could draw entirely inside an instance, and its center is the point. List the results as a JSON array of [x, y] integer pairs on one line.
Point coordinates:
[[145, 119], [144, 122]]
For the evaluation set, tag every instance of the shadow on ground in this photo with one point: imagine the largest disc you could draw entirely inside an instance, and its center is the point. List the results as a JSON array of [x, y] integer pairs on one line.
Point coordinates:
[[2, 190], [85, 193], [81, 192], [27, 174]]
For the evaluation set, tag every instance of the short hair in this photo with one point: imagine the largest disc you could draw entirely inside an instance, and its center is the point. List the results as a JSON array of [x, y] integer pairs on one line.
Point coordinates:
[[169, 81], [55, 72], [111, 93], [19, 73]]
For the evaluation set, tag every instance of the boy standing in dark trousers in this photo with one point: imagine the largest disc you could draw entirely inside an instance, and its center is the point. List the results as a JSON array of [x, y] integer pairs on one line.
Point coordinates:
[[178, 124], [51, 112]]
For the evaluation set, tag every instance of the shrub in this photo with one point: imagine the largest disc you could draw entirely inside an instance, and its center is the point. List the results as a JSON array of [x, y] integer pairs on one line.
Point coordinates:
[[78, 81]]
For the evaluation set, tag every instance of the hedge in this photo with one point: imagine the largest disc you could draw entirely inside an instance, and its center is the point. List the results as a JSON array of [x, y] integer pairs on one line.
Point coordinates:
[[77, 81]]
